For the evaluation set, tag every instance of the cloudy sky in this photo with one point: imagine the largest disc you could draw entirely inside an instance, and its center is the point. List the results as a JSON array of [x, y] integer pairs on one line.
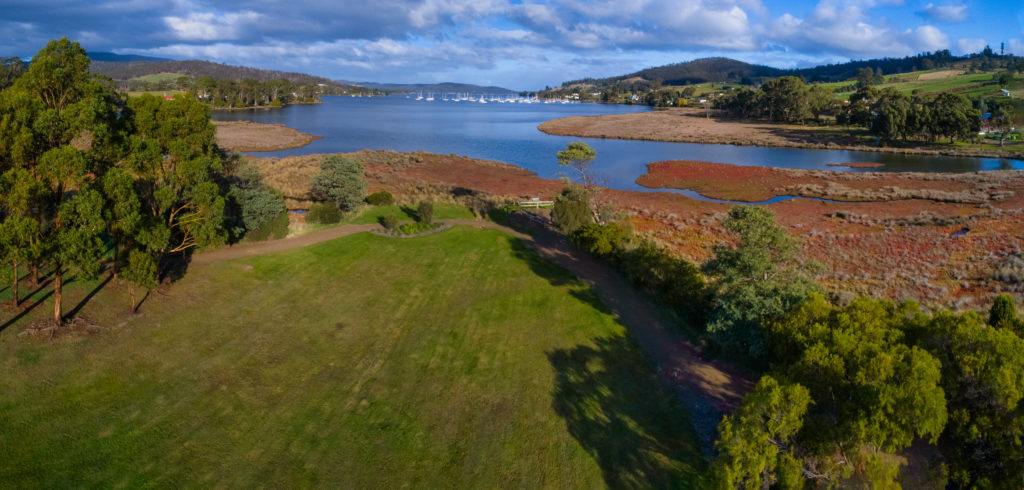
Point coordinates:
[[512, 43]]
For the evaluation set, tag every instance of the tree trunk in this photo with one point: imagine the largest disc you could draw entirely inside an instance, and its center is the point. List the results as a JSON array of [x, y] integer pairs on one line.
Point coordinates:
[[14, 287], [115, 266], [58, 291], [131, 292], [35, 274]]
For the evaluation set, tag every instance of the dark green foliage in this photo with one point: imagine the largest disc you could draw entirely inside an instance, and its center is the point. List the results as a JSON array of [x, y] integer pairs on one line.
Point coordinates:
[[755, 281], [601, 240], [572, 209], [1003, 314], [425, 212], [10, 70], [341, 180], [276, 228], [755, 444], [786, 99], [871, 394], [869, 387], [675, 281], [140, 271], [954, 116], [42, 155], [417, 227], [258, 206], [983, 377], [323, 213], [174, 155], [380, 198], [389, 222]]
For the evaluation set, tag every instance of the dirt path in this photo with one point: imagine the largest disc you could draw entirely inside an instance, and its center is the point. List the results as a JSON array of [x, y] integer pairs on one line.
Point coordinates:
[[708, 388]]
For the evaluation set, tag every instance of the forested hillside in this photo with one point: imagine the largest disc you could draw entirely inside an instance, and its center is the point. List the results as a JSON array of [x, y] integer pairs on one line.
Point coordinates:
[[196, 69]]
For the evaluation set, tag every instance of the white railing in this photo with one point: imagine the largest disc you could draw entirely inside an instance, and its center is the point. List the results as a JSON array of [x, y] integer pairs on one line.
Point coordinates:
[[536, 204]]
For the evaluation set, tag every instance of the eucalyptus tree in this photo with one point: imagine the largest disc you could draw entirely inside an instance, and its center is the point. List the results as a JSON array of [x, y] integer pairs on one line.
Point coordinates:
[[61, 126]]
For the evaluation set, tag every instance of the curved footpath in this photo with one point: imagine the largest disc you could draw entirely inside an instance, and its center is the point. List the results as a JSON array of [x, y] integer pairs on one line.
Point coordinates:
[[707, 388]]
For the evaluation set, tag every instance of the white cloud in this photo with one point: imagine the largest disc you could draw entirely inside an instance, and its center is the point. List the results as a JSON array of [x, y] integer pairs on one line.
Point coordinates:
[[1015, 46], [208, 26], [844, 28], [432, 12], [970, 45], [945, 13]]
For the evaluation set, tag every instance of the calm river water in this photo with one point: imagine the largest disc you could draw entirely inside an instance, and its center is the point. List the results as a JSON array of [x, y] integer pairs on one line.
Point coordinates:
[[508, 133]]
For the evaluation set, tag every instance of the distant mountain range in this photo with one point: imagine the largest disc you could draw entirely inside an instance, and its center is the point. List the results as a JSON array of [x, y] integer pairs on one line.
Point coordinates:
[[436, 88], [730, 70], [121, 58], [128, 69]]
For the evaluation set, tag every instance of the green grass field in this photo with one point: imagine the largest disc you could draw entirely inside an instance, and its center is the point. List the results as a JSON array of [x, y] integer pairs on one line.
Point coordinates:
[[966, 84], [442, 210], [460, 359]]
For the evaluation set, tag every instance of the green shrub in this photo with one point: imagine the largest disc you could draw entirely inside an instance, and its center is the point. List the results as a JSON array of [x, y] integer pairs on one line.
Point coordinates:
[[380, 198], [389, 222], [425, 212], [603, 241], [323, 213], [572, 209], [258, 206], [416, 227], [276, 228], [341, 180]]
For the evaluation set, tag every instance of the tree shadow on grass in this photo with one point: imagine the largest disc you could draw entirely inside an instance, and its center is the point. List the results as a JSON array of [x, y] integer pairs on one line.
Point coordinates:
[[26, 309], [556, 275], [630, 422], [81, 304]]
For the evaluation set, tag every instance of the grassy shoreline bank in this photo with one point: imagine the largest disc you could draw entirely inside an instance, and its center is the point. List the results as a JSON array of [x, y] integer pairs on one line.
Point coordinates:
[[692, 126]]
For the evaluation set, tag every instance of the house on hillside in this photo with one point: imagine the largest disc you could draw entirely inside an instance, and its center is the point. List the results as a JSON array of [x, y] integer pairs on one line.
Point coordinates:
[[986, 120], [1006, 93]]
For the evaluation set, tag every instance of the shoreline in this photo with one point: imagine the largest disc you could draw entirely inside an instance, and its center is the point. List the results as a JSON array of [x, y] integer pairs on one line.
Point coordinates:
[[690, 126], [248, 136]]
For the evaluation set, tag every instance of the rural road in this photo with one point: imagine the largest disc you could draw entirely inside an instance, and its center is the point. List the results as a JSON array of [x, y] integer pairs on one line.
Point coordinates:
[[708, 388]]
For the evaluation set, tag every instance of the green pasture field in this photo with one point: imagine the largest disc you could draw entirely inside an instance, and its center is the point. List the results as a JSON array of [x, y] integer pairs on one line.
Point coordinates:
[[456, 360]]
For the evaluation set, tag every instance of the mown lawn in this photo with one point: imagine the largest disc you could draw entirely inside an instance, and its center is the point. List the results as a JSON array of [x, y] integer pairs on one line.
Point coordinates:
[[455, 360]]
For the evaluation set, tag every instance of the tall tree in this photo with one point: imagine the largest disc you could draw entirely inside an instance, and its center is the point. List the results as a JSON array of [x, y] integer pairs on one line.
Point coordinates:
[[983, 377], [757, 280], [786, 99], [873, 394], [20, 198], [756, 444], [176, 163], [10, 70], [66, 136], [579, 157], [954, 116]]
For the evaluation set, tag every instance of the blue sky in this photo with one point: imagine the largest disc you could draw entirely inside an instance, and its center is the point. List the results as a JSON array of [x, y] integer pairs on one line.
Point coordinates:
[[512, 43]]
